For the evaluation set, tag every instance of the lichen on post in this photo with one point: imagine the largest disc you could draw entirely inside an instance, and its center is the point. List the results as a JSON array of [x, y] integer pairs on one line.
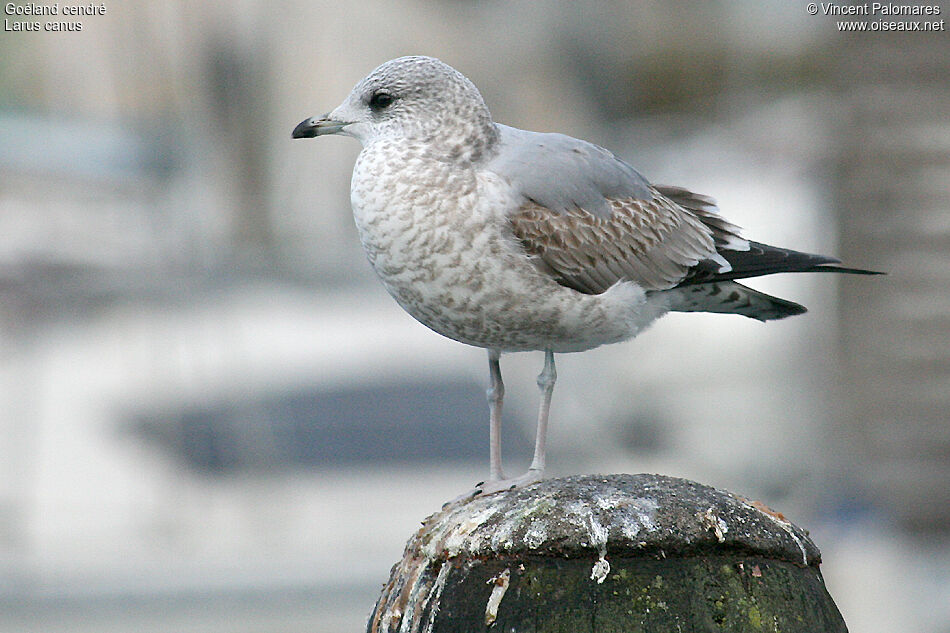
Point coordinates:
[[607, 553]]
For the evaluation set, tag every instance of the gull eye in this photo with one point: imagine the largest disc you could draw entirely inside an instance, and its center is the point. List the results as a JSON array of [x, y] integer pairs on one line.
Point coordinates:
[[381, 100]]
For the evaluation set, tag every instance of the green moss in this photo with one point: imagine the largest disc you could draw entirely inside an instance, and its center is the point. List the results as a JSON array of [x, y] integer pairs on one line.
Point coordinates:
[[755, 617], [640, 595]]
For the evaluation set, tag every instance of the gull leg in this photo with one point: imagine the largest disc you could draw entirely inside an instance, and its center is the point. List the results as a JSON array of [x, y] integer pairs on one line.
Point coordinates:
[[497, 482], [496, 393], [496, 396], [546, 380]]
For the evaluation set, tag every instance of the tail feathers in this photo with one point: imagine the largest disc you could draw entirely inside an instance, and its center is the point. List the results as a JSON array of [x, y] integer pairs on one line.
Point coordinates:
[[729, 297]]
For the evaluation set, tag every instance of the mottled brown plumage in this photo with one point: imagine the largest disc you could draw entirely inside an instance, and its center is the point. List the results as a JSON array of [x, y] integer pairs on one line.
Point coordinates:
[[653, 243]]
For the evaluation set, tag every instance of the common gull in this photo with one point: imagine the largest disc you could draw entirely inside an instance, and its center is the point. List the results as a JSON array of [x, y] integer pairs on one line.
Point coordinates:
[[513, 240]]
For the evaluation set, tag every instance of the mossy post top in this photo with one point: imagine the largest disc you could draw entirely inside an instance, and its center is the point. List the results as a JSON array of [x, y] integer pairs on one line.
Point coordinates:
[[602, 515]]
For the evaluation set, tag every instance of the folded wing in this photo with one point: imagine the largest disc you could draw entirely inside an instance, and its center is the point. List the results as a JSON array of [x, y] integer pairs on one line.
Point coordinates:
[[654, 243], [590, 220]]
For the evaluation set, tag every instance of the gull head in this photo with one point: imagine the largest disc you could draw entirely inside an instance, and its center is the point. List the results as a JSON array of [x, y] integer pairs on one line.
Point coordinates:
[[416, 99]]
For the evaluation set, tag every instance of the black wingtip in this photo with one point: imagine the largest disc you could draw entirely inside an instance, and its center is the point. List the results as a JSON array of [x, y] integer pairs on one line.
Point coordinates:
[[844, 270], [762, 259]]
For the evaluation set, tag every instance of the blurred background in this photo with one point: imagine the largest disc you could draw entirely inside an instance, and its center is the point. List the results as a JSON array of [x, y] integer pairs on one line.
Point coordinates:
[[214, 419]]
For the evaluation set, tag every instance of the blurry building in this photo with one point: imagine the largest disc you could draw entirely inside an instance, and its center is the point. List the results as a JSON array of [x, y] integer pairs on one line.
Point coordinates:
[[891, 183]]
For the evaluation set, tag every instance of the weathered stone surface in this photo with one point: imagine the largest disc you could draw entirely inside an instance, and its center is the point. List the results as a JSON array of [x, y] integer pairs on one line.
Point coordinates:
[[607, 553]]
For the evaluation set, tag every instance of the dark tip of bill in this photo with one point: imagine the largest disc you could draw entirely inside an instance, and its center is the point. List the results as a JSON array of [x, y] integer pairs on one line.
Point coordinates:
[[304, 129]]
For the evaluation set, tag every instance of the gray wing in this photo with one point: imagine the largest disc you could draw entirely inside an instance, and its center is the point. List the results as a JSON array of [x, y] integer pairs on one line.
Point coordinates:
[[590, 220], [563, 173]]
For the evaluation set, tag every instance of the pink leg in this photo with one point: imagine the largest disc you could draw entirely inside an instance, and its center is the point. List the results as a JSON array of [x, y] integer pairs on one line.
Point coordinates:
[[496, 396], [546, 380], [496, 390]]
